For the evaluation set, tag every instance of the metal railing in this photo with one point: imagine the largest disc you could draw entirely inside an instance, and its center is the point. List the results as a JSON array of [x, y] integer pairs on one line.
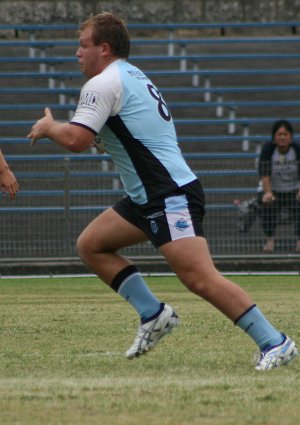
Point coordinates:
[[60, 194]]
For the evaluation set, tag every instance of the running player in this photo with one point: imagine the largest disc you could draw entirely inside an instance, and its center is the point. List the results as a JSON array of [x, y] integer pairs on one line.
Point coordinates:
[[126, 113]]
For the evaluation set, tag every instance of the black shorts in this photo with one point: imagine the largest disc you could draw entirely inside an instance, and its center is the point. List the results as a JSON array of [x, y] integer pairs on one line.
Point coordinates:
[[176, 215]]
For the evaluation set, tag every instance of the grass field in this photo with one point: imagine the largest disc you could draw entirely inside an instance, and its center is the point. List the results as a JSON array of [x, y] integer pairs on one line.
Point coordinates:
[[62, 358]]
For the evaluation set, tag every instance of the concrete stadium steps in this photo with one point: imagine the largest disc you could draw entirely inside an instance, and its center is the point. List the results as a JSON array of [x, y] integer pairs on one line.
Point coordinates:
[[59, 207], [173, 81]]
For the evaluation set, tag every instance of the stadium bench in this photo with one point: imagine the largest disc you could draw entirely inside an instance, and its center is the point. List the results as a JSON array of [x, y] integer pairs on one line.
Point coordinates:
[[165, 90], [183, 60], [67, 96], [231, 124], [35, 106], [181, 139], [218, 105], [170, 27], [39, 47], [186, 121], [61, 76], [68, 193], [182, 42], [235, 175]]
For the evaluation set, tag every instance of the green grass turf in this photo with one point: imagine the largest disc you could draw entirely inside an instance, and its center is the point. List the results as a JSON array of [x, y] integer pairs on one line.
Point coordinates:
[[62, 345]]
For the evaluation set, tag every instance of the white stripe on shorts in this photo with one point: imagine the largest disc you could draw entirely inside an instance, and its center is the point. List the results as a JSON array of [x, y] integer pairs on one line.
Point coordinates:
[[178, 217]]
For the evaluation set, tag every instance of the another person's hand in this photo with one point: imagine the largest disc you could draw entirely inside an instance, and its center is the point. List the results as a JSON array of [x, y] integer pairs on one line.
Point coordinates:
[[298, 195], [8, 182]]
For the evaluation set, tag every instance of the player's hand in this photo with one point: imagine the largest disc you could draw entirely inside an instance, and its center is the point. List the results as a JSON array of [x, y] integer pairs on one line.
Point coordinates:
[[40, 129], [8, 183]]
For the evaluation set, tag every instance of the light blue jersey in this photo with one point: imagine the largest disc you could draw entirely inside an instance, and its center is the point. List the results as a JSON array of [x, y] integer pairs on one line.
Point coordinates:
[[130, 117]]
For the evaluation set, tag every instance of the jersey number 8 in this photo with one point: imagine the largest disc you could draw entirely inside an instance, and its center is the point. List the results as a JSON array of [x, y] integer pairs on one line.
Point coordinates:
[[161, 104]]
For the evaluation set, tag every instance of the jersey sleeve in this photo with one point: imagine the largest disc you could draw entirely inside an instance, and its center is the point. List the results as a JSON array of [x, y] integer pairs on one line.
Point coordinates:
[[99, 99]]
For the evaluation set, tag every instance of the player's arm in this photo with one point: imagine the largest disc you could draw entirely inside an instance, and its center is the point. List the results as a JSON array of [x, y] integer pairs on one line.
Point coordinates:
[[8, 182], [75, 138]]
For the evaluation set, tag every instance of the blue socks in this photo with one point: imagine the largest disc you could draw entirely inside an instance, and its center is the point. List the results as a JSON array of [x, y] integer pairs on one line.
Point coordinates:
[[132, 287], [254, 323]]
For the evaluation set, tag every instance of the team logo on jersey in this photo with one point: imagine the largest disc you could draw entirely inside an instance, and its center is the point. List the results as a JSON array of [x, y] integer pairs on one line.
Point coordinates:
[[88, 98], [154, 226], [137, 74], [181, 225]]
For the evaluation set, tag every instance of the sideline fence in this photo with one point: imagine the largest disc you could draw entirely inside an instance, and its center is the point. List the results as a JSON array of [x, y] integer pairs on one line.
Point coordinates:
[[60, 194]]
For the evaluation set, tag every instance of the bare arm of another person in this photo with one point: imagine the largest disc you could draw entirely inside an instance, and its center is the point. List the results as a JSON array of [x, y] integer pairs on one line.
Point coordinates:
[[268, 194], [8, 181]]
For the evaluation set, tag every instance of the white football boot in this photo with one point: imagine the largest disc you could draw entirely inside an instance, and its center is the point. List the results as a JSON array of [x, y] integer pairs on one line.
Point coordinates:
[[279, 355], [151, 332]]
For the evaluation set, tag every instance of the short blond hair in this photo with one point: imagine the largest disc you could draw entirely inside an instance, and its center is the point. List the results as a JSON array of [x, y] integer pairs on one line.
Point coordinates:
[[110, 29]]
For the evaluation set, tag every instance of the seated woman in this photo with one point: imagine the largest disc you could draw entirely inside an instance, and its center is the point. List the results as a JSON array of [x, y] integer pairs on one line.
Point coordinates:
[[279, 169]]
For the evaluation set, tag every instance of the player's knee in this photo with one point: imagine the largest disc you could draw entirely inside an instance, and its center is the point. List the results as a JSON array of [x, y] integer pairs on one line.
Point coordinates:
[[87, 247], [199, 287], [83, 247], [199, 283]]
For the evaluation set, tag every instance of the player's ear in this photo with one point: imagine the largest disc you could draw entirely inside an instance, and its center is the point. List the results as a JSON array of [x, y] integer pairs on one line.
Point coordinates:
[[106, 49]]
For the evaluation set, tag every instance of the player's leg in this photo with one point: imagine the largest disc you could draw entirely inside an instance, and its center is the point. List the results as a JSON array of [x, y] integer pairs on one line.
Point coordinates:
[[102, 238], [191, 261], [97, 246]]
